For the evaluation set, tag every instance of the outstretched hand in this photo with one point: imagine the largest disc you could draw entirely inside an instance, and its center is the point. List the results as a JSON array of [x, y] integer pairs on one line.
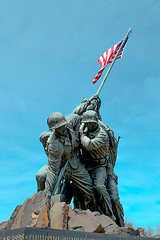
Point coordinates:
[[95, 96]]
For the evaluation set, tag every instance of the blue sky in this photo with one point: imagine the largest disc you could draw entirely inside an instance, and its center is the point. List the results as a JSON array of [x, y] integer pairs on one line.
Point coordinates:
[[48, 57]]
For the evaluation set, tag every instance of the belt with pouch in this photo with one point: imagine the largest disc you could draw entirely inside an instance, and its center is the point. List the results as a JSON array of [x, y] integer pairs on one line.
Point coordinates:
[[98, 161]]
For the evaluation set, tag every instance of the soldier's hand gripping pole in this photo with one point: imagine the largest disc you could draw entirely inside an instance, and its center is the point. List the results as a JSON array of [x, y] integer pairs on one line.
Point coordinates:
[[109, 69]]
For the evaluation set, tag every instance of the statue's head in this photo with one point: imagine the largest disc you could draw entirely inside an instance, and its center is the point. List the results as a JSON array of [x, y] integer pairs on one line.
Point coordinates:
[[90, 118], [56, 121]]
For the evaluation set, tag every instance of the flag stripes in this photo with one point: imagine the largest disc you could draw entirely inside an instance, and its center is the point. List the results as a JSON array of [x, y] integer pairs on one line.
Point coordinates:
[[108, 57]]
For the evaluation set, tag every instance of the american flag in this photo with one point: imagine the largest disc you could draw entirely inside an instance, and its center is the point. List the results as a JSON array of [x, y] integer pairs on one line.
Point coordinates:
[[107, 57]]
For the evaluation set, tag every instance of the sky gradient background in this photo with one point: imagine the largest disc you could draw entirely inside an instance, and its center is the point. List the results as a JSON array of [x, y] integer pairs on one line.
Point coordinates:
[[48, 57]]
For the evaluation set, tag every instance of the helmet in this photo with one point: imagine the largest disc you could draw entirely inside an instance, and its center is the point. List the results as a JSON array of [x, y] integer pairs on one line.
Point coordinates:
[[73, 120], [44, 135], [90, 116], [56, 120]]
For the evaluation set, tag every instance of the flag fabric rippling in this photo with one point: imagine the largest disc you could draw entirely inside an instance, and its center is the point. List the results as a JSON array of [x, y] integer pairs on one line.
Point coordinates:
[[107, 57]]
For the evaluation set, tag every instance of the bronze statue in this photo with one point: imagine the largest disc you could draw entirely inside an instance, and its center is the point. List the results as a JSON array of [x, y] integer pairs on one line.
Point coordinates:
[[112, 178], [63, 144], [42, 173], [95, 145], [81, 154]]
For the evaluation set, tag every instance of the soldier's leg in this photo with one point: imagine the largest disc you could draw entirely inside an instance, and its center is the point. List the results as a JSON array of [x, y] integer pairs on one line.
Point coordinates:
[[41, 177], [52, 173], [83, 186], [102, 197], [69, 191], [66, 192], [112, 182]]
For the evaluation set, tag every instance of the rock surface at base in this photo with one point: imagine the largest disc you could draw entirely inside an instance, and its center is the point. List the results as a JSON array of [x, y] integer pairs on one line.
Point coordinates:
[[35, 213]]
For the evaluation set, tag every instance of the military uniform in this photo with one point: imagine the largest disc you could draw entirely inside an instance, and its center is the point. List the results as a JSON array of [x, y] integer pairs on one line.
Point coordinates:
[[42, 173], [93, 103], [59, 149], [112, 182], [95, 146], [112, 178]]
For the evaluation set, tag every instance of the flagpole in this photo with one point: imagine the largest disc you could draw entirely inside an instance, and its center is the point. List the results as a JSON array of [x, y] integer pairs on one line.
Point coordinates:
[[109, 69]]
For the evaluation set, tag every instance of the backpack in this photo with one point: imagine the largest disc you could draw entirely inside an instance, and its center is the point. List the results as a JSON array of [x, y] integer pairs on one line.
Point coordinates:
[[113, 143]]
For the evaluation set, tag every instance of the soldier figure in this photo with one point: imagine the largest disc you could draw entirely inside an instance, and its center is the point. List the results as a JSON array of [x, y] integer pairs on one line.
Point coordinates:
[[94, 103], [97, 149], [58, 148], [42, 173], [63, 144], [112, 178], [112, 182], [95, 145]]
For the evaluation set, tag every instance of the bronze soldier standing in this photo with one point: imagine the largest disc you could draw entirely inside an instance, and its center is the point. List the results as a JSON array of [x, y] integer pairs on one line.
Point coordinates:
[[112, 180], [95, 145], [99, 155], [63, 144], [42, 172]]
